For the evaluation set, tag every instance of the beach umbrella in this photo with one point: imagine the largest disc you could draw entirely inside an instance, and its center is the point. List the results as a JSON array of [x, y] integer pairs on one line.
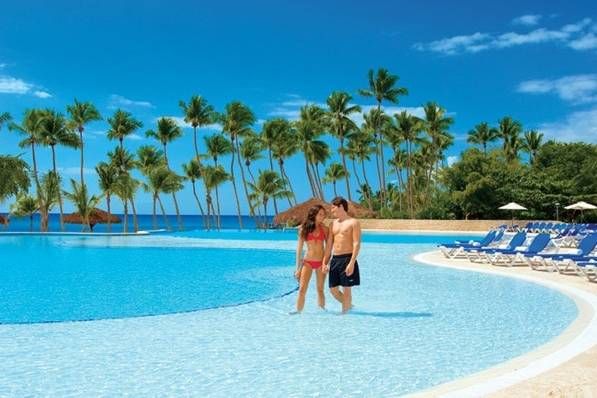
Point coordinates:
[[512, 206], [97, 216], [581, 206], [4, 221]]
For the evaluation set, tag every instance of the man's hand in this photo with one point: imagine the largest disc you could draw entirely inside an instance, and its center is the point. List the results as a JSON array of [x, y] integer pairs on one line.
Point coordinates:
[[349, 269], [325, 268]]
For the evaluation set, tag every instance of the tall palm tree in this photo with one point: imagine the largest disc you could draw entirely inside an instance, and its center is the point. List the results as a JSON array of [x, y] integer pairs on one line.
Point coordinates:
[[213, 177], [309, 128], [509, 130], [532, 143], [122, 124], [197, 113], [340, 123], [409, 127], [285, 146], [436, 125], [250, 150], [14, 177], [217, 146], [4, 118], [84, 203], [47, 197], [148, 158], [334, 173], [82, 113], [161, 179], [123, 160], [269, 185], [382, 86], [54, 130], [193, 173], [482, 135], [25, 206], [236, 122], [29, 127], [167, 132], [375, 120], [107, 178], [360, 146]]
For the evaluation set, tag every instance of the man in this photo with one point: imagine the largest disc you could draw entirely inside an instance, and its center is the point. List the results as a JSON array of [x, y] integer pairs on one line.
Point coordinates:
[[345, 239]]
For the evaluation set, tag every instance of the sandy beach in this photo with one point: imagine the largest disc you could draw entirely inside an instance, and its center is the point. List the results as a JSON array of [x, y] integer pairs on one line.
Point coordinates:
[[576, 377]]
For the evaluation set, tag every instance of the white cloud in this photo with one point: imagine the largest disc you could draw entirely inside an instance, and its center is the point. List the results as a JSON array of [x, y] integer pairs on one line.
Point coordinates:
[[117, 101], [389, 110], [575, 89], [578, 126], [576, 36], [452, 160], [586, 42], [75, 171], [182, 124], [2, 65], [291, 109], [42, 94], [134, 137], [11, 85], [528, 20]]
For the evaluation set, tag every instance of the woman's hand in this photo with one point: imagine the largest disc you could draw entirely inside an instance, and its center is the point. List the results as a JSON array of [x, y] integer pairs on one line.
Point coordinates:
[[297, 274]]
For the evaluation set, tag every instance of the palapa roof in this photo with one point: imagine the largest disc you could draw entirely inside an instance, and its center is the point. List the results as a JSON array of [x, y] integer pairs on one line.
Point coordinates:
[[298, 213], [3, 220], [97, 216]]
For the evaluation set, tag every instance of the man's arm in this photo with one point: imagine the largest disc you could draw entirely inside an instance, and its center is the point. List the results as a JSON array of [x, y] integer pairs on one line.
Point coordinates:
[[328, 248], [356, 246]]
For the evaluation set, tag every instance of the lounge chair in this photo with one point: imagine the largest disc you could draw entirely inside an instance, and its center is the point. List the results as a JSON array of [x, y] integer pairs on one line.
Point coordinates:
[[481, 254], [449, 249], [510, 258], [564, 262]]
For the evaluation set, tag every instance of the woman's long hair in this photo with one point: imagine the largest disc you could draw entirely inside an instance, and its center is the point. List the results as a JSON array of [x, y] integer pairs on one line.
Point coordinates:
[[310, 223]]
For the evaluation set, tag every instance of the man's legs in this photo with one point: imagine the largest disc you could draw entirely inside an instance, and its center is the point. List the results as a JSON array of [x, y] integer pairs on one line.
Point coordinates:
[[346, 299], [337, 294]]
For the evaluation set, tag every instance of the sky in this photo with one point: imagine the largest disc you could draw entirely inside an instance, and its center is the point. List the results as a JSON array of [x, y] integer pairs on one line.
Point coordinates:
[[533, 60]]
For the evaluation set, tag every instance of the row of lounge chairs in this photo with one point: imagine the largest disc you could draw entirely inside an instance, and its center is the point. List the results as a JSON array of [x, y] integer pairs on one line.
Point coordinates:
[[565, 248]]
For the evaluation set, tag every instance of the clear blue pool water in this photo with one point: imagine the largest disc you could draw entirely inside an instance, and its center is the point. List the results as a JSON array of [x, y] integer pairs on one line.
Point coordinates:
[[414, 326]]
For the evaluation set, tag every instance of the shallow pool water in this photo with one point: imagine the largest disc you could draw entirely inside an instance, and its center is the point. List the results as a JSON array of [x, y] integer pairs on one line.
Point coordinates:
[[414, 326]]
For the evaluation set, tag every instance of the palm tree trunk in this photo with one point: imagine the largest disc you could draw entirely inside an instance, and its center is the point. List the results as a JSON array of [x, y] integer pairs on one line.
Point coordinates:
[[409, 180], [289, 184], [109, 213], [135, 223], [284, 179], [242, 175], [198, 202], [209, 205], [319, 183], [163, 212], [195, 144], [367, 184], [219, 220], [178, 216], [345, 169], [265, 213], [35, 177], [311, 181], [59, 191], [154, 217], [31, 222], [335, 193], [44, 221], [81, 143], [126, 215], [240, 219]]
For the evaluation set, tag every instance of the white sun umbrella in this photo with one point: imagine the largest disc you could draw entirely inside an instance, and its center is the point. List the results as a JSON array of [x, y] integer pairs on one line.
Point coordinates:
[[581, 206], [512, 206]]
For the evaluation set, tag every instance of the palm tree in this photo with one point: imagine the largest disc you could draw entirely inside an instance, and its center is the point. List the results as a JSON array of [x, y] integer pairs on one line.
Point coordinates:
[[148, 158], [29, 127], [375, 120], [269, 185], [4, 118], [285, 146], [107, 178], [126, 188], [54, 130], [482, 134], [192, 171], [122, 124], [84, 203], [334, 173], [341, 124], [509, 130], [14, 177], [123, 160], [409, 128], [167, 132], [382, 87], [359, 148], [532, 143], [236, 122], [161, 179], [25, 206], [250, 150], [217, 146], [197, 113], [309, 128], [213, 177], [82, 113], [48, 196], [436, 125]]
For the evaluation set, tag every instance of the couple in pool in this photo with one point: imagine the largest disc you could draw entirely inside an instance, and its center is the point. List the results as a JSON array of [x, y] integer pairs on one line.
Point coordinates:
[[343, 238]]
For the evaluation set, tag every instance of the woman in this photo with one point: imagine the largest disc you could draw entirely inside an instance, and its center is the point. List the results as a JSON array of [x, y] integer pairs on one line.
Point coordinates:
[[314, 234]]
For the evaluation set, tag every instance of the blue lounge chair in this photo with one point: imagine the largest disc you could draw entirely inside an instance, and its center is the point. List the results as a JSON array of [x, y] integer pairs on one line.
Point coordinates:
[[480, 254], [517, 257]]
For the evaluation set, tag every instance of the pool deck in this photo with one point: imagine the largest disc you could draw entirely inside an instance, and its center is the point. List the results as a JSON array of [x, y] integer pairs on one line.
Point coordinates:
[[564, 367]]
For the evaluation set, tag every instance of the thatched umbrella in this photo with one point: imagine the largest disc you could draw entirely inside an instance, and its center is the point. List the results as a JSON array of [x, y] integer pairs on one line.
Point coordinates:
[[4, 220], [297, 214], [97, 216]]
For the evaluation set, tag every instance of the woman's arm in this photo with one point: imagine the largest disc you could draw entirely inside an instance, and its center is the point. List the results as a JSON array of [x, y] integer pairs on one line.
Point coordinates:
[[299, 253], [329, 243]]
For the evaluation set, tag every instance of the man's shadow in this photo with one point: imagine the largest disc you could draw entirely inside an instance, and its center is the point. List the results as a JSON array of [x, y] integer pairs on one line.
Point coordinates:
[[382, 314]]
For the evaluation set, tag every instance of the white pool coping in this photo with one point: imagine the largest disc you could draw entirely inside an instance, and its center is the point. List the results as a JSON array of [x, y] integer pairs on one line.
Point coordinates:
[[580, 336]]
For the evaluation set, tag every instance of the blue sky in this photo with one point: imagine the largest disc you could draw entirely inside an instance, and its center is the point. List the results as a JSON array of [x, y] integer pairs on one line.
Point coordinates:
[[533, 60]]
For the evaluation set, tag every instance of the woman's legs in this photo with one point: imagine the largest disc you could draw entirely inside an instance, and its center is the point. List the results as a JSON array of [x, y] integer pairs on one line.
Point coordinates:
[[306, 272], [320, 282]]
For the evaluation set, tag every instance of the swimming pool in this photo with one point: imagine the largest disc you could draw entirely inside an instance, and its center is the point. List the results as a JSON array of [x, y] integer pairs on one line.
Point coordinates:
[[414, 326]]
